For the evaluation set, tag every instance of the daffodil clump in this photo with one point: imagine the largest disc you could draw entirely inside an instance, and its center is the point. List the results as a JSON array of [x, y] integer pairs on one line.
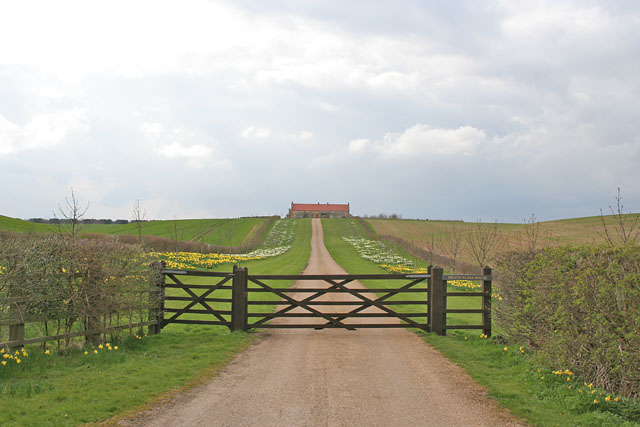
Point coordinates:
[[189, 260], [10, 359], [461, 284], [376, 252], [96, 350], [277, 242], [281, 234]]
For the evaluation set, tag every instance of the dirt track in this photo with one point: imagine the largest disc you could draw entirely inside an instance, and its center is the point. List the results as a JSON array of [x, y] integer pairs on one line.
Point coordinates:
[[332, 377]]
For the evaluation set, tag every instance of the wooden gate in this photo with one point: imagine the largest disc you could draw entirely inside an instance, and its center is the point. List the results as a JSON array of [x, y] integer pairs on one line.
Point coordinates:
[[360, 307], [242, 301]]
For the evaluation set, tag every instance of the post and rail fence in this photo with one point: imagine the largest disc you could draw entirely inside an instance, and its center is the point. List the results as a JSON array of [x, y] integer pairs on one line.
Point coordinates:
[[227, 302]]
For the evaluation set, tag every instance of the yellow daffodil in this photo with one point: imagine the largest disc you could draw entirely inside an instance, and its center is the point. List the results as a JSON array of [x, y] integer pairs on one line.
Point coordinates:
[[617, 399], [47, 352], [608, 398], [595, 401], [18, 361], [4, 363]]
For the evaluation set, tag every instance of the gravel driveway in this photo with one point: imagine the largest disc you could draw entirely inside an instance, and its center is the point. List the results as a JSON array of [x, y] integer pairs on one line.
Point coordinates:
[[332, 377]]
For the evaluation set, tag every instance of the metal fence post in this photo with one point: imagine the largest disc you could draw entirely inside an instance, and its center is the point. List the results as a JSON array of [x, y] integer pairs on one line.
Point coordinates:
[[239, 299], [437, 308], [486, 303]]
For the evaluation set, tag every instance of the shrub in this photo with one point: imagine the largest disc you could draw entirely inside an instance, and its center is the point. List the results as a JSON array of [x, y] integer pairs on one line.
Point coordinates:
[[580, 308]]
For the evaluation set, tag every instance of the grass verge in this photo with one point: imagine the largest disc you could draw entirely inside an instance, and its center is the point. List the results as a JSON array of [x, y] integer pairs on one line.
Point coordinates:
[[511, 376]]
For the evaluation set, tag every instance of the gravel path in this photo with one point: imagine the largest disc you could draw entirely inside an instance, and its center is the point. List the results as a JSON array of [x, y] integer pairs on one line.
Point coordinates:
[[332, 377]]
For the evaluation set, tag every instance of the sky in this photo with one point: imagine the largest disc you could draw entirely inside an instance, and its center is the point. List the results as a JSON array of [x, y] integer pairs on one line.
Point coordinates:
[[491, 110]]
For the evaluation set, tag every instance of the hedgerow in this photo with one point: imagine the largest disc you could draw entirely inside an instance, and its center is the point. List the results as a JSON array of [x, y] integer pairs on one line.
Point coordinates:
[[579, 308], [68, 284]]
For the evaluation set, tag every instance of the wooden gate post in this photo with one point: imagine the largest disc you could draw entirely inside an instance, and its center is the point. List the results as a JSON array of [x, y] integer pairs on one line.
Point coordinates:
[[429, 295], [156, 296], [486, 303], [437, 308], [16, 317], [239, 299]]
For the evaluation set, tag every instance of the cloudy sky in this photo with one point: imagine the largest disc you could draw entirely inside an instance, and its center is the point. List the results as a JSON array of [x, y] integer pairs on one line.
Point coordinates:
[[469, 110]]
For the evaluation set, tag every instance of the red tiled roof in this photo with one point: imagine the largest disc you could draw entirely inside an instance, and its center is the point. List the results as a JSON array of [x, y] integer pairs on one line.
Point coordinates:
[[319, 207]]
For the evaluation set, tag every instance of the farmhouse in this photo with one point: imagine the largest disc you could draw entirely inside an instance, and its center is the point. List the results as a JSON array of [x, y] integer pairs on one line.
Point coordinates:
[[310, 210]]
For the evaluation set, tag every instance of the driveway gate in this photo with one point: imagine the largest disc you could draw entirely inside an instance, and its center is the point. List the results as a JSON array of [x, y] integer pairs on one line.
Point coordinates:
[[242, 301]]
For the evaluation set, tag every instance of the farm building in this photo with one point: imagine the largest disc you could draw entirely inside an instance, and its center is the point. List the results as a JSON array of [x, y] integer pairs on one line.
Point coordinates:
[[310, 210]]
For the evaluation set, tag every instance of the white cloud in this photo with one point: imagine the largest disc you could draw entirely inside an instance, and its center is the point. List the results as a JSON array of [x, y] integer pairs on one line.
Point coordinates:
[[182, 143], [253, 132], [176, 150], [358, 145], [43, 131], [303, 135], [423, 140]]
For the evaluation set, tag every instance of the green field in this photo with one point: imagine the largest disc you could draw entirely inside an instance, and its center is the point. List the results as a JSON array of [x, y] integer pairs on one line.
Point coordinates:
[[574, 231], [69, 388], [20, 226], [221, 232]]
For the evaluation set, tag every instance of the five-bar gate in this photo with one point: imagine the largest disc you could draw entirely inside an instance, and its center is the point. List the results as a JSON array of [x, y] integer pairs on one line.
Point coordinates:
[[242, 301]]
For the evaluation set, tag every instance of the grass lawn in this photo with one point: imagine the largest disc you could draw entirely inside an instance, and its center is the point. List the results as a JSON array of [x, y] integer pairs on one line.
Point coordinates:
[[511, 376], [69, 388]]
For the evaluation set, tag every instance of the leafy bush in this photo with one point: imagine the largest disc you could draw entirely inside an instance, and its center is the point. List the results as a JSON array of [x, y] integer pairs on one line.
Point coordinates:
[[67, 284], [580, 308]]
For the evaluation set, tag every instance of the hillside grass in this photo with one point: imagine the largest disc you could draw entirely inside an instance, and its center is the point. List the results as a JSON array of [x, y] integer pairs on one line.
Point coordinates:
[[510, 375], [69, 388], [575, 231], [216, 231], [19, 226]]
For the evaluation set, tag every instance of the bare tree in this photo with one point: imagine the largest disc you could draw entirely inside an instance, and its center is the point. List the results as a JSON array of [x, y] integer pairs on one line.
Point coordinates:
[[72, 214], [532, 233], [626, 228], [431, 245], [139, 216], [483, 240], [452, 244], [175, 232]]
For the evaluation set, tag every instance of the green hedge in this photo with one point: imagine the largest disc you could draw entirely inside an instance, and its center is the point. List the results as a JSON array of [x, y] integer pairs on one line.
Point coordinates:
[[579, 308], [67, 284]]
